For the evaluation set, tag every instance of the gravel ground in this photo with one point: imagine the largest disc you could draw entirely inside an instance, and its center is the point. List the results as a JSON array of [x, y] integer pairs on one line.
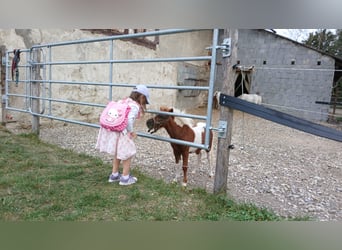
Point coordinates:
[[287, 171]]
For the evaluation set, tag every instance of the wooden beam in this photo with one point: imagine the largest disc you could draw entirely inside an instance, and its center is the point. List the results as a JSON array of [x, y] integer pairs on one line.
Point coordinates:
[[226, 75]]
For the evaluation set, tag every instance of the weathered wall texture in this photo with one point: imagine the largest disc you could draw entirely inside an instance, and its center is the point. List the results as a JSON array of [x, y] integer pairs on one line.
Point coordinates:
[[168, 73], [279, 82]]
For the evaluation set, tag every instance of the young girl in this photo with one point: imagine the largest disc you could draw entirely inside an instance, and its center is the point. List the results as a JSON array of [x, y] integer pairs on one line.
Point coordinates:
[[121, 144]]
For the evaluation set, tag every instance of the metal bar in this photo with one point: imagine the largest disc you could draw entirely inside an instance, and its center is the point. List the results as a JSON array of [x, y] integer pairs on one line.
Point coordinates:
[[150, 60], [6, 81], [27, 83], [211, 87], [66, 120], [19, 95], [167, 139], [127, 85], [59, 100], [50, 77], [19, 81], [110, 96], [19, 110], [200, 117], [43, 83]]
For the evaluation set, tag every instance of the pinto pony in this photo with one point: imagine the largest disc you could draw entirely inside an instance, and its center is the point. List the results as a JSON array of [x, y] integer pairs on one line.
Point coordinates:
[[185, 131]]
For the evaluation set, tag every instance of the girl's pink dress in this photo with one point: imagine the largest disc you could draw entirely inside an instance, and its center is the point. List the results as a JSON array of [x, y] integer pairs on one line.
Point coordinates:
[[119, 144]]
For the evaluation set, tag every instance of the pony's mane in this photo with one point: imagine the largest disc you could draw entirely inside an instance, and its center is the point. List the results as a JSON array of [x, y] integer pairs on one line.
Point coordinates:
[[183, 120]]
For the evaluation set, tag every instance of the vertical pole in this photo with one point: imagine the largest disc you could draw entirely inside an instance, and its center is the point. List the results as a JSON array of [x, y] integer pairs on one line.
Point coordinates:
[[211, 84], [110, 96], [3, 82], [226, 75], [35, 91]]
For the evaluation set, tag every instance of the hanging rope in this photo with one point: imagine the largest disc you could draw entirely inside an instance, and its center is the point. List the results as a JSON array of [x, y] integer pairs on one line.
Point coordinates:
[[15, 62]]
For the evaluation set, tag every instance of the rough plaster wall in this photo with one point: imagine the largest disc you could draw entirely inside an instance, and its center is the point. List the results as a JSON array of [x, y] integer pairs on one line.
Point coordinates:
[[297, 89], [186, 45], [192, 44], [30, 36]]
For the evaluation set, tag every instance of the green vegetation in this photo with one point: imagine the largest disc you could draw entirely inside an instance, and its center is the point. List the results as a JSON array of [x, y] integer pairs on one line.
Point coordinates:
[[42, 182]]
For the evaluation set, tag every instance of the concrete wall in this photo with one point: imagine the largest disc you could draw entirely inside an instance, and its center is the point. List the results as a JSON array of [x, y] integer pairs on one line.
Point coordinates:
[[166, 74], [281, 83]]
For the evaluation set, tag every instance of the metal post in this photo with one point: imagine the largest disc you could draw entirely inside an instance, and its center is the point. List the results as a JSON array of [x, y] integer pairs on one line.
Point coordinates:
[[211, 85], [225, 73], [110, 96], [35, 90]]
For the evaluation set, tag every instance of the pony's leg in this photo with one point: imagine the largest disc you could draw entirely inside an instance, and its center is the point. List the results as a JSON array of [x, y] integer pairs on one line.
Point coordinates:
[[185, 177], [199, 157], [176, 166], [176, 171], [185, 168]]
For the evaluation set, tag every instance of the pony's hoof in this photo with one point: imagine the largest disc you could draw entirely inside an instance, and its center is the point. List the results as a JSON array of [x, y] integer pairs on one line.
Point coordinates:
[[184, 184]]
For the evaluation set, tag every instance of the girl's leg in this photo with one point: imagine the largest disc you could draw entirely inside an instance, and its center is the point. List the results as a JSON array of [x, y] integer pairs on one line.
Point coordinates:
[[116, 164], [126, 178], [126, 167], [115, 175]]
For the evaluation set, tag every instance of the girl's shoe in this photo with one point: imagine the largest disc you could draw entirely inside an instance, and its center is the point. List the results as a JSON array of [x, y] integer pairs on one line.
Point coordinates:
[[113, 178], [129, 181]]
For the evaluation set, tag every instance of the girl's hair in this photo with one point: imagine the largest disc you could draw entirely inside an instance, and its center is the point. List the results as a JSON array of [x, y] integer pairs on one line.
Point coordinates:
[[140, 99]]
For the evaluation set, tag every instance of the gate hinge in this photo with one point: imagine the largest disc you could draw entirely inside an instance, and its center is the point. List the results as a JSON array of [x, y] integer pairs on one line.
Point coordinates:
[[225, 47], [222, 129]]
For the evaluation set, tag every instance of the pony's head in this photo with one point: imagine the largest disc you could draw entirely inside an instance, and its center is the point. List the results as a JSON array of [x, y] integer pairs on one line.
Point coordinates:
[[159, 121]]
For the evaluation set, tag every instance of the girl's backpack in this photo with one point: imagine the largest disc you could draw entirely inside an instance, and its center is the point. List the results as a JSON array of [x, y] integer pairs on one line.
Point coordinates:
[[115, 115]]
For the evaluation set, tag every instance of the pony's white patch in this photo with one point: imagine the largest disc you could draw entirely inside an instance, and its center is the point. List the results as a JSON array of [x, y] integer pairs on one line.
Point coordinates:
[[198, 130], [183, 120]]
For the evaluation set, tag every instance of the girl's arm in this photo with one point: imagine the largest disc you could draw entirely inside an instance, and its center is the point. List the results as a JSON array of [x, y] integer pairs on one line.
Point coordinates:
[[131, 117]]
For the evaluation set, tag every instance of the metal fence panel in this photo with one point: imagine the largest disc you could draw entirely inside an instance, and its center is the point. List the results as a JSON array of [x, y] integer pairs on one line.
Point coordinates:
[[47, 62]]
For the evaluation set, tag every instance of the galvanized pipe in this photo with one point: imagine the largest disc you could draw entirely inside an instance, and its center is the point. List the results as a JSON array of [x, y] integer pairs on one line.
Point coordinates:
[[150, 60]]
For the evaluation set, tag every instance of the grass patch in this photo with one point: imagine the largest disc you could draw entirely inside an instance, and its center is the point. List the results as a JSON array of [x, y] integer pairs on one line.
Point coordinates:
[[39, 181]]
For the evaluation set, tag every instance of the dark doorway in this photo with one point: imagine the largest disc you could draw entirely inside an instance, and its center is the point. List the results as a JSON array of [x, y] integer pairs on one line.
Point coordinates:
[[241, 87]]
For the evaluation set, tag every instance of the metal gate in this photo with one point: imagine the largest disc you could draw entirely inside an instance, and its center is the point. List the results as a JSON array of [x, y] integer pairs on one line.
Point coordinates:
[[38, 64]]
